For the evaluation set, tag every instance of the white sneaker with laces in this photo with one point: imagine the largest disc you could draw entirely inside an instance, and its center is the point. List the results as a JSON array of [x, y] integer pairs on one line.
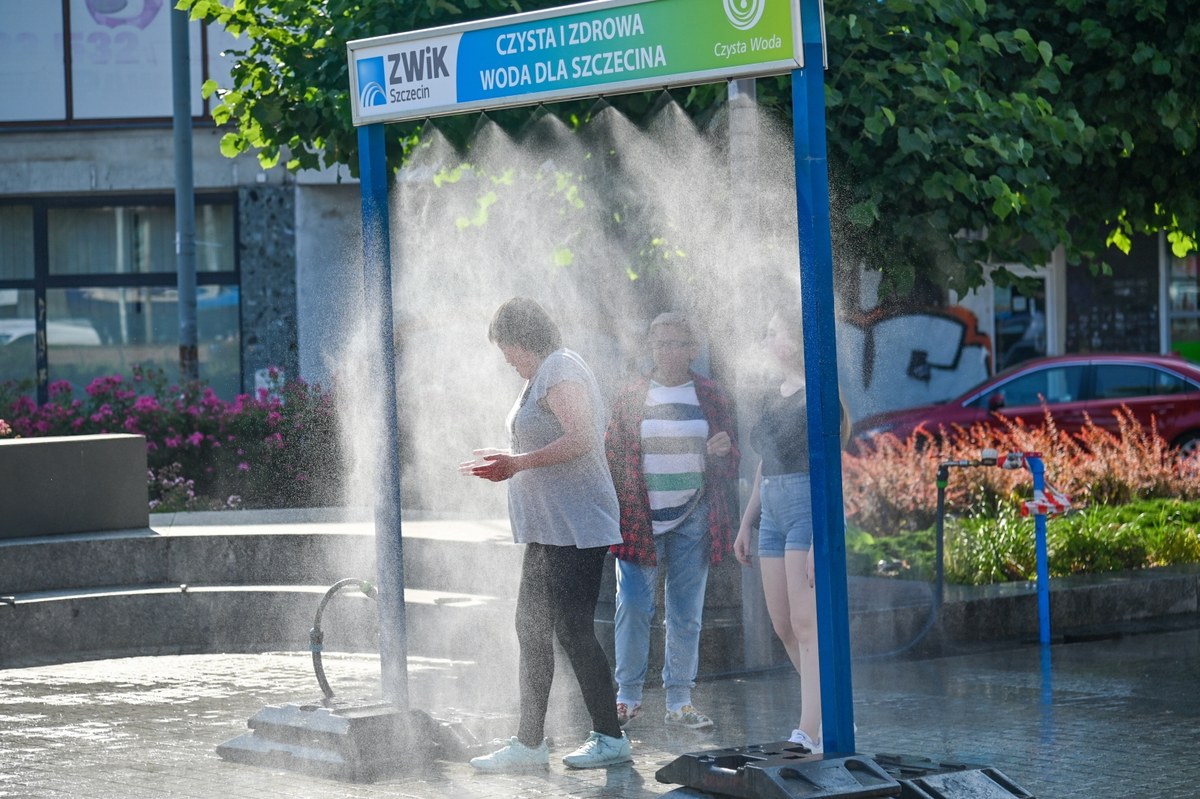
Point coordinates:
[[514, 756], [800, 737], [689, 718], [600, 750]]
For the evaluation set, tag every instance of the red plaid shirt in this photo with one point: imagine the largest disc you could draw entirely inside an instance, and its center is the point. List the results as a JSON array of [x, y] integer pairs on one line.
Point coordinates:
[[623, 445]]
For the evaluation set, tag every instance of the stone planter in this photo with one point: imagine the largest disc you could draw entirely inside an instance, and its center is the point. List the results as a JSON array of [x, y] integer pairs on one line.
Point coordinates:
[[72, 484]]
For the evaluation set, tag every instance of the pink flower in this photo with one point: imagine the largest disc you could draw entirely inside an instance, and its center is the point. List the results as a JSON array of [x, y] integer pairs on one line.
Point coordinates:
[[173, 442], [146, 404], [243, 467], [60, 387], [196, 439]]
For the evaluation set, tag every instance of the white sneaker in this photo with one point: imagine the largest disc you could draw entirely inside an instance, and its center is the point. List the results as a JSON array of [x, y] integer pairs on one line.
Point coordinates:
[[600, 750], [689, 718], [515, 756], [800, 737]]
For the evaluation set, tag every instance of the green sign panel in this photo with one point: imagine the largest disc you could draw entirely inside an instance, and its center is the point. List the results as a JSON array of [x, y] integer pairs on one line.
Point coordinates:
[[605, 47]]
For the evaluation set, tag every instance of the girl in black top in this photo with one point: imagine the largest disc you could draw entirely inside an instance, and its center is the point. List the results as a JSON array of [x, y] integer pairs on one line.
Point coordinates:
[[781, 506]]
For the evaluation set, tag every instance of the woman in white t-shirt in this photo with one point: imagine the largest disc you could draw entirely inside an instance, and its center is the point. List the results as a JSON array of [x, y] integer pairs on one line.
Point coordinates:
[[562, 506]]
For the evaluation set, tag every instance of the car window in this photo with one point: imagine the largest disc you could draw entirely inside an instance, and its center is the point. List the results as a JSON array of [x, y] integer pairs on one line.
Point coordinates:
[[1055, 384], [1124, 381]]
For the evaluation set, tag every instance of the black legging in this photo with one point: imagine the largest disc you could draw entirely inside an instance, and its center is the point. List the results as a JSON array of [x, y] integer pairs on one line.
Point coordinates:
[[559, 588]]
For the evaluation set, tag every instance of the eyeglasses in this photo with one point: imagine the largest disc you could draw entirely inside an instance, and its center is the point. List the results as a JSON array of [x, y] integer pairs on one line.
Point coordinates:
[[670, 344]]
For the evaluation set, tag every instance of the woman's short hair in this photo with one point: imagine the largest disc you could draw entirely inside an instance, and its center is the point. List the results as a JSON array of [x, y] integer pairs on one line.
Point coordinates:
[[674, 319], [523, 323]]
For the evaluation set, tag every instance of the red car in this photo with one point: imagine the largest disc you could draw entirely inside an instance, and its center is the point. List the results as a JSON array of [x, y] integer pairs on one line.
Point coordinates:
[[1164, 387]]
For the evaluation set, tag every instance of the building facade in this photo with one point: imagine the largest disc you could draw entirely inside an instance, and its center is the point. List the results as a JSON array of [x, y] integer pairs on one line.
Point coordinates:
[[88, 264]]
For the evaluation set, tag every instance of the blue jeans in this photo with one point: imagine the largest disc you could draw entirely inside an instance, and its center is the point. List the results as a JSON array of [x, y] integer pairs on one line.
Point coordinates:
[[786, 521], [683, 552]]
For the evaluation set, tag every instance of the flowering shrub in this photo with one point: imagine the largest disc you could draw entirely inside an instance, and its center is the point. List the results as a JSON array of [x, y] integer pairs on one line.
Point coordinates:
[[890, 485], [276, 448], [891, 494]]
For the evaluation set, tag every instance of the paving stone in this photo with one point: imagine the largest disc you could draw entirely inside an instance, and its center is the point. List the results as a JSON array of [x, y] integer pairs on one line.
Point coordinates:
[[1110, 717]]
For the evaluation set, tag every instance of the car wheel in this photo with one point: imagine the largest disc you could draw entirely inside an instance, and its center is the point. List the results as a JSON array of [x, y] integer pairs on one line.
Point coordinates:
[[1188, 444]]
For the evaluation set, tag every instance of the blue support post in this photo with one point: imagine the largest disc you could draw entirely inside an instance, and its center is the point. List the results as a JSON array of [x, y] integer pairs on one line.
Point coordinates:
[[1038, 469], [820, 354], [377, 285]]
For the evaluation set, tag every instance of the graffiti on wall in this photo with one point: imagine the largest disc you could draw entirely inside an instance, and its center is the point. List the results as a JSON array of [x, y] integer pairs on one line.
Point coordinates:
[[899, 359]]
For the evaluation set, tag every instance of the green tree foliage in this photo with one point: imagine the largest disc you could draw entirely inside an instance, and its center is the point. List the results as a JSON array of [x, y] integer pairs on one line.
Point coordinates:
[[960, 132]]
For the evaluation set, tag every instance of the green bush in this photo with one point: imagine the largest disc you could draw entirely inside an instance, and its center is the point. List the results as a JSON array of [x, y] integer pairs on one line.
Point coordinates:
[[1135, 500]]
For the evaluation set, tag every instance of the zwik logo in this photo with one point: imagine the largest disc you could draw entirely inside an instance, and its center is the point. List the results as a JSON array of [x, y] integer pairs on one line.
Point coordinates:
[[744, 14], [370, 82]]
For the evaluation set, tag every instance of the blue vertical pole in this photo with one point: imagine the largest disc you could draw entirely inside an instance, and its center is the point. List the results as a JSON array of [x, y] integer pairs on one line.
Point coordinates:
[[1043, 559], [820, 354], [377, 285]]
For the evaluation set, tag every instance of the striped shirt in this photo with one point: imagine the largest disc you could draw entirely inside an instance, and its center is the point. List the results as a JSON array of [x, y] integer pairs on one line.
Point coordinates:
[[674, 440]]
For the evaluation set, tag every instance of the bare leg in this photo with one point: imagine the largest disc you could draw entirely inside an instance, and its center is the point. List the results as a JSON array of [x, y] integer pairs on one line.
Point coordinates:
[[802, 601]]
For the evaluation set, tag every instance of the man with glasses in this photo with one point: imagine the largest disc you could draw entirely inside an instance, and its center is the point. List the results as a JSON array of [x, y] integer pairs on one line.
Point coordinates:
[[673, 456]]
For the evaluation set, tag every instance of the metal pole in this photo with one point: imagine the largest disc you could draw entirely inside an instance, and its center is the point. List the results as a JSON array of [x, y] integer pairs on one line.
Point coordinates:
[[185, 199], [1043, 560], [820, 353], [377, 285], [939, 591]]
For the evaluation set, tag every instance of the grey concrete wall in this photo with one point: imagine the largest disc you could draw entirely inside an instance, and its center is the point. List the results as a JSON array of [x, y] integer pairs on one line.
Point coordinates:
[[44, 162], [267, 251], [72, 484]]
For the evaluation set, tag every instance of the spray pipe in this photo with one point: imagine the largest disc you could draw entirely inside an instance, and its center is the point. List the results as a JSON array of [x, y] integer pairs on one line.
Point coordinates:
[[316, 637], [989, 457], [1046, 501]]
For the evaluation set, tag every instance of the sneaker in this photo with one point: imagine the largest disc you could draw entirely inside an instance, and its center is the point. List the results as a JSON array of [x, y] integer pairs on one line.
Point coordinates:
[[601, 750], [689, 718], [800, 737], [514, 756], [627, 713]]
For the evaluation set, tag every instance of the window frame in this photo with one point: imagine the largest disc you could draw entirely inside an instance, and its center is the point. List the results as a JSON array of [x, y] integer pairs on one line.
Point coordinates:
[[42, 281]]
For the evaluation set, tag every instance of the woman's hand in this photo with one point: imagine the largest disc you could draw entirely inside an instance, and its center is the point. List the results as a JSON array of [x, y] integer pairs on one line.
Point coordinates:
[[719, 445], [491, 464], [741, 546]]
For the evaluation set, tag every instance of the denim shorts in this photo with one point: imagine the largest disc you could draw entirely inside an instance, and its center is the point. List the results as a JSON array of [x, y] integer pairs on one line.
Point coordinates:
[[786, 521]]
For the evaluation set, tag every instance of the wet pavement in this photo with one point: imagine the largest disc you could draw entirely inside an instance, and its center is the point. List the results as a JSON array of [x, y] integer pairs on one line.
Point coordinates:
[[1111, 717]]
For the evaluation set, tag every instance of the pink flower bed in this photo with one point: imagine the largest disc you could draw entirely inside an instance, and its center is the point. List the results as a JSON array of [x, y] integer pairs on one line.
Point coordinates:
[[276, 448]]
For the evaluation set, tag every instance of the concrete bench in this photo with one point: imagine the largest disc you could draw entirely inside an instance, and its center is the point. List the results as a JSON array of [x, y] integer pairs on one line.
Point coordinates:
[[72, 484]]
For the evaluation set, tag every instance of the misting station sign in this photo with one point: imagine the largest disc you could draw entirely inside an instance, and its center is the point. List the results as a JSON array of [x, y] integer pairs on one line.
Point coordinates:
[[583, 50]]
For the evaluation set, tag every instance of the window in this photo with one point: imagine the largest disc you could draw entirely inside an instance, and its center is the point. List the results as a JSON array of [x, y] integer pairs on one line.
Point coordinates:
[[1126, 381], [116, 63], [1054, 385], [105, 274], [108, 240], [16, 243]]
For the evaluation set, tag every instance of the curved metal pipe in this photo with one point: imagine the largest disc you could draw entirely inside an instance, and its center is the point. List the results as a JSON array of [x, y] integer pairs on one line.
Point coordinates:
[[316, 637]]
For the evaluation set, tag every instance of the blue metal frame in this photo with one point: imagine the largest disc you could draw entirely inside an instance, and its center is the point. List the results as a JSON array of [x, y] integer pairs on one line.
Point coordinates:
[[820, 349], [377, 284], [1038, 469], [820, 358]]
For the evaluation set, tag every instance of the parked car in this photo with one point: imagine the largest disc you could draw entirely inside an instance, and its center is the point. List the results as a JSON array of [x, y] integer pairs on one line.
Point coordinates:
[[1163, 387], [68, 333]]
